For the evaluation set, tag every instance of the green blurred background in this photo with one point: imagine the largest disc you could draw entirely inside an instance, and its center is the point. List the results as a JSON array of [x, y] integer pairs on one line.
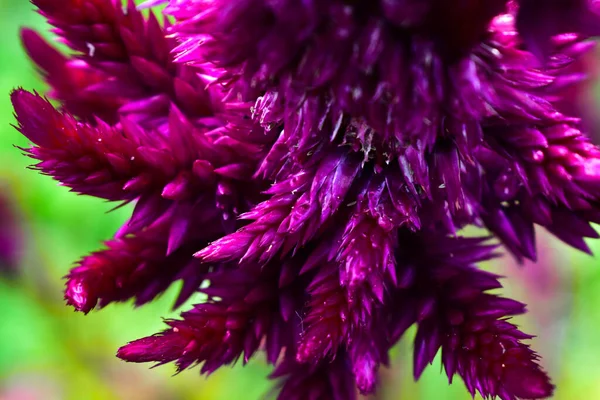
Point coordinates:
[[49, 352]]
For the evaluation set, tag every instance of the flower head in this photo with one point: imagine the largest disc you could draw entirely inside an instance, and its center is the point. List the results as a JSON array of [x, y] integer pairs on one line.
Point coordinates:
[[308, 165]]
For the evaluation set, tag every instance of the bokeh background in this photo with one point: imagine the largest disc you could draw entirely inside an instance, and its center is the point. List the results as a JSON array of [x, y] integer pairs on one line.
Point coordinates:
[[49, 352]]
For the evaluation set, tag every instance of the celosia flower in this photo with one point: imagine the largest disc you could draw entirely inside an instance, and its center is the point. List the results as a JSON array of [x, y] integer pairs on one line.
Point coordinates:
[[313, 161], [162, 141]]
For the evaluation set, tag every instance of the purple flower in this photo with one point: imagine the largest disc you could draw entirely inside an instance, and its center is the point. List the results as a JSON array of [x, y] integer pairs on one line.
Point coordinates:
[[308, 165], [11, 237], [453, 311], [169, 145]]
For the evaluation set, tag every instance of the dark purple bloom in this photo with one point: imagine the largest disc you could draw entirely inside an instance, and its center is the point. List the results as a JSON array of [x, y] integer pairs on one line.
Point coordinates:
[[307, 166], [244, 308], [171, 147], [122, 65], [11, 237], [450, 304]]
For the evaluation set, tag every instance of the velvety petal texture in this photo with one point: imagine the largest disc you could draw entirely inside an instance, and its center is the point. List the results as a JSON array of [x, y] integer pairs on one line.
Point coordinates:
[[308, 166]]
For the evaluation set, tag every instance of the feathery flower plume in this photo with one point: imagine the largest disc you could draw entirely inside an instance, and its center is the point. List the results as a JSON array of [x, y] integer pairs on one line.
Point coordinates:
[[313, 162], [172, 148]]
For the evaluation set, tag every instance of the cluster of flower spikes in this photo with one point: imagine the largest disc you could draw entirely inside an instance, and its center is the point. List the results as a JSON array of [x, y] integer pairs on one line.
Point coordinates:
[[136, 127], [313, 161]]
